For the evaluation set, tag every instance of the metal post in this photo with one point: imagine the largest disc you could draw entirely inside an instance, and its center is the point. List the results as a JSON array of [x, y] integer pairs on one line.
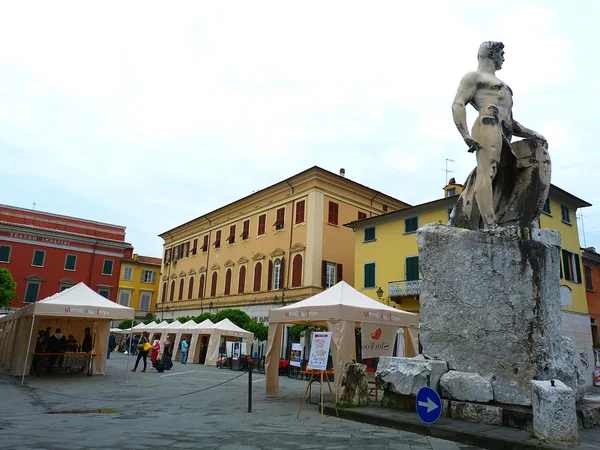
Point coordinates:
[[250, 366], [27, 351]]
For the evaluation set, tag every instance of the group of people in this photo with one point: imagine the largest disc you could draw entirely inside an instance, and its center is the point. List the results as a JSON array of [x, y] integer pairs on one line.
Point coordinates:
[[123, 344], [55, 345], [144, 347]]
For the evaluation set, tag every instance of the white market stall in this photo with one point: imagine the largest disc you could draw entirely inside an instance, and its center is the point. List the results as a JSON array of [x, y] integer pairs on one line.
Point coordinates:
[[199, 343], [223, 330], [340, 308], [71, 310]]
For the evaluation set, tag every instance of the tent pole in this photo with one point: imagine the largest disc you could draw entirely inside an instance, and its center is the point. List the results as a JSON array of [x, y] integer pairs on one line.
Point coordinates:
[[129, 351], [27, 352]]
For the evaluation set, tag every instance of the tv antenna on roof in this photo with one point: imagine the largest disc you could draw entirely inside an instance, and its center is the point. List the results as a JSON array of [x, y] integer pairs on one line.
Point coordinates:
[[582, 228], [34, 206], [447, 170]]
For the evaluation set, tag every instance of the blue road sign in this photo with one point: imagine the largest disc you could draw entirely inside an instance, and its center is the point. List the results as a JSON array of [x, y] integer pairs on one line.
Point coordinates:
[[429, 405]]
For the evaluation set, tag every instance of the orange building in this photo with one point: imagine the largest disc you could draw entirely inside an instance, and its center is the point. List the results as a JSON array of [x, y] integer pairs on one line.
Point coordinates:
[[591, 268]]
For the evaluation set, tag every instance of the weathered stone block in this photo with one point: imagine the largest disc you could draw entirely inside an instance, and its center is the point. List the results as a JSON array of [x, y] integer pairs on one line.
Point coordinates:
[[354, 386], [408, 375], [399, 401], [470, 387], [490, 304], [554, 416], [475, 412]]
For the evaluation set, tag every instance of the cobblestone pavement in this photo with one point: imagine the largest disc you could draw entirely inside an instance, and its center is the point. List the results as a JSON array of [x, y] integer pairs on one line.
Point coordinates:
[[179, 409]]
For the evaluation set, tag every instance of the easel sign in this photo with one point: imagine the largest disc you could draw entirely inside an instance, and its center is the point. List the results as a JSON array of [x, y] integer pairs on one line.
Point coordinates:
[[317, 368]]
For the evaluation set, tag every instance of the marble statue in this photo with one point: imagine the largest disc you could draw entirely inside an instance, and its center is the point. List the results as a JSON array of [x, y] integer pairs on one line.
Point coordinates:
[[510, 183]]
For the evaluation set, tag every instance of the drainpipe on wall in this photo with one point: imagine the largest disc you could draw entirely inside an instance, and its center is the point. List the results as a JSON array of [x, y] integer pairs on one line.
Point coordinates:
[[89, 283]]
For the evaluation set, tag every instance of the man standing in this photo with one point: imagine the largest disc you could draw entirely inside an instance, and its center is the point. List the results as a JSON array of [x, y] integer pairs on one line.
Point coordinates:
[[492, 130], [184, 350], [112, 341], [87, 344], [57, 344]]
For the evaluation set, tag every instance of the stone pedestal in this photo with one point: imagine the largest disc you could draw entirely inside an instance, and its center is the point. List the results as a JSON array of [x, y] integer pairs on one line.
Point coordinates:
[[407, 375], [490, 304], [470, 387], [554, 416], [354, 387]]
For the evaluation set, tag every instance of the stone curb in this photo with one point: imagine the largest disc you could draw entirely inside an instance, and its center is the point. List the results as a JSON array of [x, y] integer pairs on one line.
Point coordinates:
[[439, 431]]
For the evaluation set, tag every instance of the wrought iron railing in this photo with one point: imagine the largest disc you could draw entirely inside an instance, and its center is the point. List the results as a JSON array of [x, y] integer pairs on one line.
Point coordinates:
[[404, 288]]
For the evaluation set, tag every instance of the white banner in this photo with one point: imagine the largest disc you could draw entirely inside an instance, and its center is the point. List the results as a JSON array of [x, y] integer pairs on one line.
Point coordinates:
[[296, 356], [319, 350], [377, 340]]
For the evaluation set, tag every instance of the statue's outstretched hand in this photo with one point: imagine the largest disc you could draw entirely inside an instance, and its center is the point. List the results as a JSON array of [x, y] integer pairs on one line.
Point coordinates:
[[473, 145]]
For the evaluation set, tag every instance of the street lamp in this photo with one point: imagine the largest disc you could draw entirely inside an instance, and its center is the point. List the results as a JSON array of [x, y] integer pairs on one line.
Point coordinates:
[[379, 293]]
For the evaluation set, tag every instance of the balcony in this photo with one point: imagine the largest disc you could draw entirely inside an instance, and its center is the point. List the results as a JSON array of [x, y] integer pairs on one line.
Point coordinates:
[[404, 288]]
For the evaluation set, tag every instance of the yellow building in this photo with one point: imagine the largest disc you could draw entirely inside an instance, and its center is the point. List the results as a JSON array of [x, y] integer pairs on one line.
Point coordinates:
[[138, 284], [279, 245], [387, 261]]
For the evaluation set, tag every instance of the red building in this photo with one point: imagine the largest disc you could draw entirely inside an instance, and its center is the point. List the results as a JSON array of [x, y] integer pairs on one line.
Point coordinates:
[[591, 267], [47, 253]]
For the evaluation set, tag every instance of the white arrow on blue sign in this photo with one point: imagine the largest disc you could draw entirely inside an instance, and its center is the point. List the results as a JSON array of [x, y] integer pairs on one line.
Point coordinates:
[[429, 405]]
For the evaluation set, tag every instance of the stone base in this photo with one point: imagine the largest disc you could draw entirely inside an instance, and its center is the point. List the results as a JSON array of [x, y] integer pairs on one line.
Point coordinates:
[[407, 375], [476, 412], [399, 401]]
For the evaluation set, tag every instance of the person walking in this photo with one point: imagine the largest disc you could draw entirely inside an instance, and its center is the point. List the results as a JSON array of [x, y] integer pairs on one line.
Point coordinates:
[[184, 350], [155, 351], [111, 344], [143, 349], [136, 342]]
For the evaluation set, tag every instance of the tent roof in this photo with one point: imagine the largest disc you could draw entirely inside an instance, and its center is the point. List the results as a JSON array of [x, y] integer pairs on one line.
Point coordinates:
[[187, 326], [139, 326], [342, 302], [204, 327], [176, 324], [228, 328]]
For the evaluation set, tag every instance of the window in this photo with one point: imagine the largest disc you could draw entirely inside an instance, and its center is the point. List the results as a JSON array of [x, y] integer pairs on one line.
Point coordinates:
[[246, 230], [195, 247], [176, 253], [331, 273], [201, 287], [300, 211], [369, 234], [589, 285], [64, 287], [128, 273], [145, 301], [191, 288], [332, 218], [546, 207], [167, 257], [384, 207], [172, 294], [257, 277], [451, 192], [148, 276], [278, 274], [270, 276], [32, 291], [186, 250], [164, 292], [104, 293], [107, 267], [411, 225], [180, 295], [213, 284], [70, 262], [571, 266], [565, 214], [297, 271], [228, 282], [280, 222], [218, 239], [38, 258], [205, 244], [124, 297], [242, 280], [4, 253], [261, 224], [231, 238], [362, 215], [369, 275], [412, 268]]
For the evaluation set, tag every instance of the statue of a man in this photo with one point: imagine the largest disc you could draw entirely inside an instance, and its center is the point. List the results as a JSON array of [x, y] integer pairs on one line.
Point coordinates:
[[492, 131]]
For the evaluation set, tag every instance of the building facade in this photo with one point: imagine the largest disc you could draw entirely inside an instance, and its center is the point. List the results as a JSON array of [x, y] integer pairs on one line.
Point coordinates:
[[591, 270], [279, 245], [387, 259], [139, 284], [47, 253]]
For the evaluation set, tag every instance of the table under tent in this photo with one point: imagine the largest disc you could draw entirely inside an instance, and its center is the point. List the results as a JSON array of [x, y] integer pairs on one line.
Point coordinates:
[[341, 309], [224, 330], [72, 311]]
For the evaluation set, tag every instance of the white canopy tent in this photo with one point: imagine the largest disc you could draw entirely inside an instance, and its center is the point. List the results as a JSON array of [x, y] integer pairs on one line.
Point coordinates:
[[199, 331], [224, 328], [339, 308], [72, 310]]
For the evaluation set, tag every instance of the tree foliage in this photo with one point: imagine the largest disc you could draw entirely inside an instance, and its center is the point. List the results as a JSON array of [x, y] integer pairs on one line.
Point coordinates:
[[8, 287], [237, 316], [260, 330]]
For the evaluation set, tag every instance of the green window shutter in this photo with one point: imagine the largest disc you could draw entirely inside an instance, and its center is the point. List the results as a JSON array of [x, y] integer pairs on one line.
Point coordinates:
[[38, 258], [369, 234], [577, 268], [370, 275], [70, 263], [565, 258], [107, 267], [32, 292], [411, 225], [4, 253], [412, 268]]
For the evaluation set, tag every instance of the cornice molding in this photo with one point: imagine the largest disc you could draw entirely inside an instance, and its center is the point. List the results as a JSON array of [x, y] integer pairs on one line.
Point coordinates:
[[173, 276], [298, 247], [192, 271], [182, 273], [202, 269], [277, 252], [258, 256], [242, 260], [229, 263], [215, 266]]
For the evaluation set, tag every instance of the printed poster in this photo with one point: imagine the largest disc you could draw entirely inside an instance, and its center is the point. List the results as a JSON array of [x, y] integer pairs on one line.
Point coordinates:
[[377, 340], [319, 350], [296, 356]]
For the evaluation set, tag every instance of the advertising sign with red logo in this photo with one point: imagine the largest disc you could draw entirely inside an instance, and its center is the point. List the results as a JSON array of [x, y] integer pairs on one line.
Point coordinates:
[[377, 340], [319, 350]]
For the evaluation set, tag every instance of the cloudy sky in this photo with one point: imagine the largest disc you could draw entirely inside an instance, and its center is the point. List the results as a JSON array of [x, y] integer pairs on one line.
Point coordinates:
[[147, 116]]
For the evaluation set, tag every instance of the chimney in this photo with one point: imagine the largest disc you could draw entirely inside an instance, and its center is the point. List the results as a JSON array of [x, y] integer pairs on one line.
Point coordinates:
[[343, 172]]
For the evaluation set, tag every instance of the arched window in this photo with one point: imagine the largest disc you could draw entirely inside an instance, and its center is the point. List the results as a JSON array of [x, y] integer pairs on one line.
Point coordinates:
[[297, 271], [270, 276], [191, 288], [180, 296], [164, 292], [172, 294], [257, 276], [277, 274], [201, 287], [242, 280], [213, 284], [228, 282]]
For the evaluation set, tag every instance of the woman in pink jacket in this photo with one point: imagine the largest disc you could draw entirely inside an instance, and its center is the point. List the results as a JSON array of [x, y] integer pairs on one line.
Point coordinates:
[[155, 351]]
